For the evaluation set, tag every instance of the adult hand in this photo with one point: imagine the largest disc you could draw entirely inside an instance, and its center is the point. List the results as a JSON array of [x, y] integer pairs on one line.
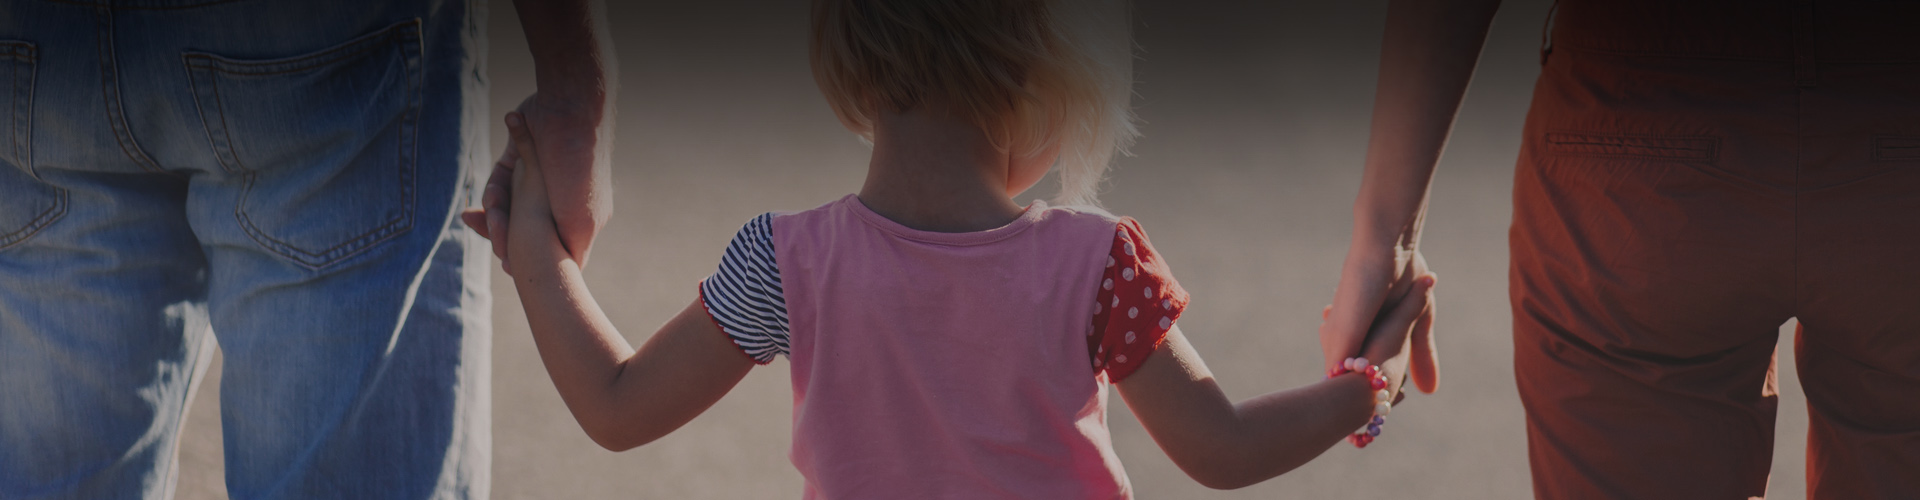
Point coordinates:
[[1372, 284], [1389, 340], [576, 173]]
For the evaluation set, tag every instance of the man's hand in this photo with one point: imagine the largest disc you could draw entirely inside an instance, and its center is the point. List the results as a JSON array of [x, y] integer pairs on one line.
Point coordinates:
[[580, 185], [570, 116]]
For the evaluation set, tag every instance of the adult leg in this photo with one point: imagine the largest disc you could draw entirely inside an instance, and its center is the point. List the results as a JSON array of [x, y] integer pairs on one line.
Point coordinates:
[[329, 148], [1859, 281], [102, 334], [1650, 274], [102, 286]]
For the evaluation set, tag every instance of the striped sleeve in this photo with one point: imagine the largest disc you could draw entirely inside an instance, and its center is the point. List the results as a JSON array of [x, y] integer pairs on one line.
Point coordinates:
[[744, 296]]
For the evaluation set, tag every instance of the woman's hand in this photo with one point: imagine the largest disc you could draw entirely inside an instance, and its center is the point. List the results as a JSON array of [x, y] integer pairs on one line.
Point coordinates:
[[1372, 285], [1393, 339]]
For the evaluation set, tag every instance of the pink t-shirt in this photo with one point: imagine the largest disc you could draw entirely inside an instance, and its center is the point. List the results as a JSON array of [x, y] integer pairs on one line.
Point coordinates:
[[948, 365]]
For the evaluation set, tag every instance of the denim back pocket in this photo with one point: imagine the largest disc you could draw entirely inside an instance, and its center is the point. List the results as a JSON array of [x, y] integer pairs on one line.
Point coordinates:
[[26, 203], [323, 143]]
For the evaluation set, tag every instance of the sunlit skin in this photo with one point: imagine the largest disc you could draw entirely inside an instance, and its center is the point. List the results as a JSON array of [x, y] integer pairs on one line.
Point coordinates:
[[1426, 60], [938, 173], [571, 114]]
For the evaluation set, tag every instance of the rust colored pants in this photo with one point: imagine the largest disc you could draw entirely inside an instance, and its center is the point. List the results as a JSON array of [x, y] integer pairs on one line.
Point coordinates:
[[1677, 199]]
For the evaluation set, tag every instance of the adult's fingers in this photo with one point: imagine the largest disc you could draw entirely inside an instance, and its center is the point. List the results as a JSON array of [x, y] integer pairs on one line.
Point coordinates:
[[1389, 334], [476, 219], [1425, 366], [1356, 303]]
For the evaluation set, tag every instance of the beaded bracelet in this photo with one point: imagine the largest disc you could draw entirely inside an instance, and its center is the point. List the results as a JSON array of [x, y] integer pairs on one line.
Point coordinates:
[[1382, 400]]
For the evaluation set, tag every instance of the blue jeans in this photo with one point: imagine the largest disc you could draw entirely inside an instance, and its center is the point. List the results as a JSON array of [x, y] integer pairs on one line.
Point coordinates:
[[281, 175]]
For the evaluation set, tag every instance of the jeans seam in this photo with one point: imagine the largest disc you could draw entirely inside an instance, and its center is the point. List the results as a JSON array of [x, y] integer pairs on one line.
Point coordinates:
[[366, 43], [110, 92], [1556, 140], [13, 109], [1881, 146], [126, 7], [200, 107], [226, 129]]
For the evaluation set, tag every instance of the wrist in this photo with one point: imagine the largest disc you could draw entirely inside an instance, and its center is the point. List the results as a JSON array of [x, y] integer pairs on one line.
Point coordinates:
[[1385, 232], [569, 105], [1379, 397]]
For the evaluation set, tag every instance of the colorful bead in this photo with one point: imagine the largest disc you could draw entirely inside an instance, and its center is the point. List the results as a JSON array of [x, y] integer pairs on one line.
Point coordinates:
[[1377, 382]]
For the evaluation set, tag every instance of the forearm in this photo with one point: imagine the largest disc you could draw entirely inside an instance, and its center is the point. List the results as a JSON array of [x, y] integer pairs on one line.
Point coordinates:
[[1227, 445], [583, 353], [572, 55], [1426, 61], [1280, 431]]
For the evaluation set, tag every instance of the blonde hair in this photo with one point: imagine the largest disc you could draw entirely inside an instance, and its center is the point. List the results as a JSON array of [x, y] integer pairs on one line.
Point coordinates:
[[1017, 68]]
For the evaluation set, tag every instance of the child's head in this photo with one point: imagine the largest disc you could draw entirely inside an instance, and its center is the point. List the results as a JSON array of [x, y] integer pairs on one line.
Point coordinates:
[[1014, 67]]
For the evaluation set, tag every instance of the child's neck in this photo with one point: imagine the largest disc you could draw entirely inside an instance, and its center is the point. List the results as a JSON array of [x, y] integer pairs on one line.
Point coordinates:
[[937, 172]]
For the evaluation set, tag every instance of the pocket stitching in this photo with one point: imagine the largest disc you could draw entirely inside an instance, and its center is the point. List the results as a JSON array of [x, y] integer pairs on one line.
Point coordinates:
[[46, 218], [20, 116], [322, 258], [1558, 142], [350, 48], [405, 32], [1881, 145]]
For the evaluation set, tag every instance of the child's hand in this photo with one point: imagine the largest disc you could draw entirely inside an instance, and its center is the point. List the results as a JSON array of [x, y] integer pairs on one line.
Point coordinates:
[[530, 231], [1390, 339]]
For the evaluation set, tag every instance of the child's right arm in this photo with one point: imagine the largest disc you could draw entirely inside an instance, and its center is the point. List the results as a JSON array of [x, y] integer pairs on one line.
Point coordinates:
[[622, 398], [1229, 445]]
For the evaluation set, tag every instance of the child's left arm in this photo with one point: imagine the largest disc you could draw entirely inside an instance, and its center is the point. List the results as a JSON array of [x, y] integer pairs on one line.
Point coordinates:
[[1224, 444], [623, 399]]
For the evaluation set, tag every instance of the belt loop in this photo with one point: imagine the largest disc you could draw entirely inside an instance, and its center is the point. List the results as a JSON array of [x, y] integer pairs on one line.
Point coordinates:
[[1805, 63], [1546, 33]]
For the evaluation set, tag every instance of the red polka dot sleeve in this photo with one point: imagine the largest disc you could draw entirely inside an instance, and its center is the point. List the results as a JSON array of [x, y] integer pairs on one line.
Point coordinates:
[[1137, 304]]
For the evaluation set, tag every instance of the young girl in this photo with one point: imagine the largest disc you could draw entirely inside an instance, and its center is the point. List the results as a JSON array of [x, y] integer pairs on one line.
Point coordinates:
[[944, 341]]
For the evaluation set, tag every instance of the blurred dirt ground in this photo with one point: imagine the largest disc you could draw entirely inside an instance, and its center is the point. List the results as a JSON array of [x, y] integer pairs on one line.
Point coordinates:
[[1255, 118]]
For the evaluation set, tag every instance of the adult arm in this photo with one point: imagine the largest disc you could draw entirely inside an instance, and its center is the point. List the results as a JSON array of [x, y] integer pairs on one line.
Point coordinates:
[[1426, 61], [571, 117], [1226, 445]]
